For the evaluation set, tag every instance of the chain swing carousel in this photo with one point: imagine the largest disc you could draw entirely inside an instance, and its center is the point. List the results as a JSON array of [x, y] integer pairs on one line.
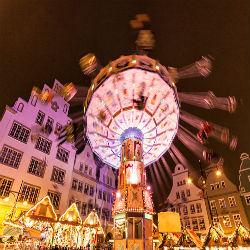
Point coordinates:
[[132, 114]]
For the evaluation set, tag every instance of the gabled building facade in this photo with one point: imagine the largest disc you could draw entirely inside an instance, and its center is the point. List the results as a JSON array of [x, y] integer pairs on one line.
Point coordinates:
[[244, 178], [32, 168], [186, 199], [224, 200], [92, 187]]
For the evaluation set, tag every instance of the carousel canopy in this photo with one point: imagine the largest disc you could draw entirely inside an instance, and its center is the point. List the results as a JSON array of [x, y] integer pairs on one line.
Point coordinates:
[[111, 111], [93, 221]]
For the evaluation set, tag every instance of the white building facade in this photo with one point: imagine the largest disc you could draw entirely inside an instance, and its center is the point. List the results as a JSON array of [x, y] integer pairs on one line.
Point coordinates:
[[90, 192], [186, 199], [21, 171]]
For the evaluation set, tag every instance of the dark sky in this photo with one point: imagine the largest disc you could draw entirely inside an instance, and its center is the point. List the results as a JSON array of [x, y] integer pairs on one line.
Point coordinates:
[[43, 40]]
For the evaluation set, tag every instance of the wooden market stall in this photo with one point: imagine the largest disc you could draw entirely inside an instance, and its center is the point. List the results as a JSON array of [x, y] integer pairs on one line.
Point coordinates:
[[189, 238], [215, 238], [240, 237], [92, 229], [40, 221], [68, 231]]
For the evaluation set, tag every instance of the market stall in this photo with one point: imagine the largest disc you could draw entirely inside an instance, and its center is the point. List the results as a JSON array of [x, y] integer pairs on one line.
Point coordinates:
[[240, 237], [92, 229], [40, 222], [189, 239], [68, 231]]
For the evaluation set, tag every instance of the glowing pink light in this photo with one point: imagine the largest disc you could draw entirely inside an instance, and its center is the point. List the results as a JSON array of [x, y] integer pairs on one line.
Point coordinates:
[[118, 195], [148, 188]]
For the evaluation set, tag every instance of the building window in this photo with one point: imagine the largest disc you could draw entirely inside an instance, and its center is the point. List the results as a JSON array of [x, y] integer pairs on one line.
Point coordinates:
[[237, 219], [178, 210], [90, 171], [247, 199], [58, 129], [86, 169], [104, 196], [55, 198], [86, 189], [182, 194], [223, 184], [49, 125], [10, 156], [232, 202], [212, 186], [19, 132], [58, 175], [110, 181], [5, 186], [34, 100], [217, 185], [198, 207], [84, 206], [188, 192], [108, 197], [40, 117], [74, 184], [192, 208], [226, 221], [37, 167], [80, 186], [65, 108], [103, 179], [88, 154], [62, 154], [81, 167], [20, 107], [216, 221], [91, 191], [178, 184], [187, 224], [213, 205], [185, 210], [222, 203], [107, 180], [90, 207], [78, 205], [202, 224], [29, 193], [177, 195], [99, 194], [43, 145], [195, 224]]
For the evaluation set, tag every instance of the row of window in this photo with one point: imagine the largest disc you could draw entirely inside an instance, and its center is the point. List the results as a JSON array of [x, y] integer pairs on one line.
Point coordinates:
[[222, 203], [217, 185], [78, 185], [183, 194], [12, 157], [103, 195], [27, 193], [194, 208], [85, 209], [225, 220], [180, 183], [197, 224], [86, 169]]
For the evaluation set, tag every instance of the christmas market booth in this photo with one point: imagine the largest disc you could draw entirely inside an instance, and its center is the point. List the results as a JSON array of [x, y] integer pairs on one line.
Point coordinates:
[[92, 230], [68, 231], [190, 240], [240, 237], [169, 241], [215, 239], [39, 223]]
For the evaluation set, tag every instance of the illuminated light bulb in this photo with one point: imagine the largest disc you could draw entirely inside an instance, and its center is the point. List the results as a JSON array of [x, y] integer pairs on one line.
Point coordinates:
[[157, 67], [92, 87], [134, 61], [148, 188], [6, 199], [118, 195], [25, 203], [110, 68], [218, 172], [189, 180], [69, 219]]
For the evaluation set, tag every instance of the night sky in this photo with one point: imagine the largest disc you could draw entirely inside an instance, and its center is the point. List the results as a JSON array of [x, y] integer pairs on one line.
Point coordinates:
[[44, 40]]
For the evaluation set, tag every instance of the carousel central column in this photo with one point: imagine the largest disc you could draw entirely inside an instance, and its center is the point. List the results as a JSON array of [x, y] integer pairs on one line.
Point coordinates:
[[133, 207]]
